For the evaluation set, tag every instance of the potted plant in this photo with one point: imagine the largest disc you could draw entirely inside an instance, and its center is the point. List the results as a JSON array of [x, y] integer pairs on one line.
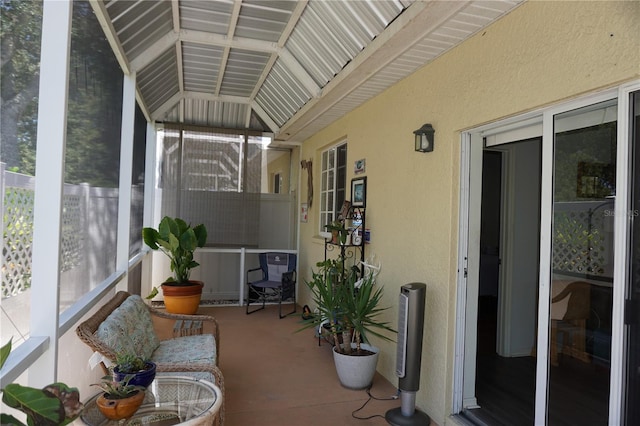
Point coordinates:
[[55, 404], [178, 240], [120, 399], [338, 232], [142, 371], [327, 299], [350, 305]]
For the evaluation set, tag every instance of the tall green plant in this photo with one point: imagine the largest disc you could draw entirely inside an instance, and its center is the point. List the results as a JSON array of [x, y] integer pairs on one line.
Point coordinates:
[[178, 240]]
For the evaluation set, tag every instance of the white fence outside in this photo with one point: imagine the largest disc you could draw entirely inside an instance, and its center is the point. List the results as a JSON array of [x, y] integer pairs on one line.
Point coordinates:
[[88, 243]]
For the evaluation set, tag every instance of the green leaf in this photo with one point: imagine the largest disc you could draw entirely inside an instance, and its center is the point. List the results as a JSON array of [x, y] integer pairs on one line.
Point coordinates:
[[150, 237], [154, 293], [41, 408], [6, 419], [188, 240], [201, 234], [173, 242], [174, 228], [182, 226], [4, 352]]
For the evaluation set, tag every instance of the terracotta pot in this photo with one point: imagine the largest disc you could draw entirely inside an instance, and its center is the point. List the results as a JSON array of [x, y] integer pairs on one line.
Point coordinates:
[[182, 299], [118, 409]]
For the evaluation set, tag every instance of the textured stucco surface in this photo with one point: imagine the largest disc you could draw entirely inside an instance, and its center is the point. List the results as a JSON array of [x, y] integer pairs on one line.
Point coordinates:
[[538, 55]]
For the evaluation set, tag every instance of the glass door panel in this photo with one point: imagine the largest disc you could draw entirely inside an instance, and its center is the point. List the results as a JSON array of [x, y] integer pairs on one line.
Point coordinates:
[[582, 261], [632, 314]]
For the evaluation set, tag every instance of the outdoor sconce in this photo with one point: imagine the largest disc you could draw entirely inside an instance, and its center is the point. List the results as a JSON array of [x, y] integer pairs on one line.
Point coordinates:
[[424, 138]]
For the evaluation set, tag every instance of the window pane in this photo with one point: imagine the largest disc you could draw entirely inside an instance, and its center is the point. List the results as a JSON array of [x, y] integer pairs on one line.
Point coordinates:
[[21, 29], [92, 160], [632, 408], [341, 179], [330, 203], [582, 255], [137, 182], [333, 183]]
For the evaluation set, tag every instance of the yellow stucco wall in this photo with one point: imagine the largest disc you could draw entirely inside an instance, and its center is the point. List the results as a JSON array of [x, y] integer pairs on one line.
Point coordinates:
[[541, 53]]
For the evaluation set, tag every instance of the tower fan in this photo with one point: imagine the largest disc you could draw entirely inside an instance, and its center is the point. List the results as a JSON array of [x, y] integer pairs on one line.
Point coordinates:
[[409, 354]]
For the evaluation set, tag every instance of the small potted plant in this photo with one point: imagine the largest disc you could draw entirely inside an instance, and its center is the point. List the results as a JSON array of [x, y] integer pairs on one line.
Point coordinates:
[[143, 371], [178, 240], [339, 233], [120, 399]]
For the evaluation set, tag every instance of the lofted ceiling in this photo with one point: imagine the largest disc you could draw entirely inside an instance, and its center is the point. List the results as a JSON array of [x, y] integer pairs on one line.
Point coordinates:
[[286, 67]]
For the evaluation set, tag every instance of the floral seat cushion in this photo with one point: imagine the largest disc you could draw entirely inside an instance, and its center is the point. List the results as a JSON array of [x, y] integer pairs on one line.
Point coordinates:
[[129, 329], [198, 349]]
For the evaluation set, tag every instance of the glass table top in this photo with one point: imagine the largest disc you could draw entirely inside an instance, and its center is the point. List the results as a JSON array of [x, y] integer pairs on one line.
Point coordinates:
[[169, 400]]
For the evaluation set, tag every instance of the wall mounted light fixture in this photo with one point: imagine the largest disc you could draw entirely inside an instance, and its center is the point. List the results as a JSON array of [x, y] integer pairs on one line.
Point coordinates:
[[424, 138]]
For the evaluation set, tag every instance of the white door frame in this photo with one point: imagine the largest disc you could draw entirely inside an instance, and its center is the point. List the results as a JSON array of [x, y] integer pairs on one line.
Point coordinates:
[[468, 249], [473, 143]]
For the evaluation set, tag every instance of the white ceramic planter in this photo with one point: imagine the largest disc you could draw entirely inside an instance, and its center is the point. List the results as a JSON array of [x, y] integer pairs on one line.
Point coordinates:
[[356, 372]]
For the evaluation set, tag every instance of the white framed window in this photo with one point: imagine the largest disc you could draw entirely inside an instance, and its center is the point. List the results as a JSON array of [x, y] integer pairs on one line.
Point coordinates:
[[333, 181]]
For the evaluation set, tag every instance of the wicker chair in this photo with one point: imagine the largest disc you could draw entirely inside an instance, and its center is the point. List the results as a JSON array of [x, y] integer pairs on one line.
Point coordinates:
[[130, 329]]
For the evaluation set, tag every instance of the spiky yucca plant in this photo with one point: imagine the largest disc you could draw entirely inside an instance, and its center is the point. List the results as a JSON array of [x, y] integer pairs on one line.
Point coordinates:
[[348, 304]]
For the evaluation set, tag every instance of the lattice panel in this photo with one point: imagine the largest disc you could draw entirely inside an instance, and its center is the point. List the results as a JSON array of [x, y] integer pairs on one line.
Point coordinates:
[[17, 240], [72, 243], [579, 244]]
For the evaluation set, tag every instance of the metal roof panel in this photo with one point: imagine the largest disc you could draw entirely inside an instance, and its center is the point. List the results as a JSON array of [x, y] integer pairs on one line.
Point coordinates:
[[263, 19], [209, 16], [330, 34], [243, 70], [139, 24], [200, 66], [159, 80], [282, 94]]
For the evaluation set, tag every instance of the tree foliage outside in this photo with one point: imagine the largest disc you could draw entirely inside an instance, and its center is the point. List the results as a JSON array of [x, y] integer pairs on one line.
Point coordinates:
[[95, 94], [20, 35]]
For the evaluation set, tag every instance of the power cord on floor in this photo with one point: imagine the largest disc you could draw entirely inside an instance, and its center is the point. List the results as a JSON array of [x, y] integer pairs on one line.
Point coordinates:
[[368, 390]]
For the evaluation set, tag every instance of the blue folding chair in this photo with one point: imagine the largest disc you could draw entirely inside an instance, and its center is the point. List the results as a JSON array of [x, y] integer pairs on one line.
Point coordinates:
[[277, 282]]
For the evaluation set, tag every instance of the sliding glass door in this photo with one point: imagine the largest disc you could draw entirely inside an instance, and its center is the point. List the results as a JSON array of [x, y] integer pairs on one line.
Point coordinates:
[[632, 306], [582, 262], [586, 348]]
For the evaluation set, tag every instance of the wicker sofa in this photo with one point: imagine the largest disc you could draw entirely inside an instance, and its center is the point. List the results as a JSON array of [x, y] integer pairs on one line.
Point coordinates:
[[125, 325]]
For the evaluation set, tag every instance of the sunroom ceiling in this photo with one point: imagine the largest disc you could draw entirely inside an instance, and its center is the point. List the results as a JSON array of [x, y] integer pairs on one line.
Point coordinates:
[[287, 67]]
